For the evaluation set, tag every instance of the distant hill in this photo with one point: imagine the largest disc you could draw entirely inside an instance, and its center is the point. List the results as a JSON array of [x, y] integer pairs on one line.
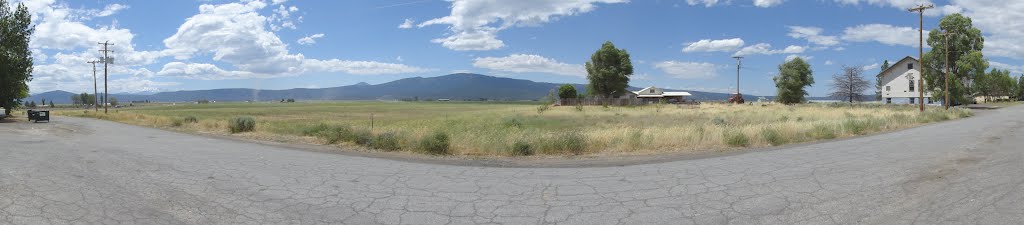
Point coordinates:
[[460, 86]]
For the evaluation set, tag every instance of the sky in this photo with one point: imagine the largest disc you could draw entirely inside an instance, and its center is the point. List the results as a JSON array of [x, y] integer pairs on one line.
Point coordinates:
[[678, 44]]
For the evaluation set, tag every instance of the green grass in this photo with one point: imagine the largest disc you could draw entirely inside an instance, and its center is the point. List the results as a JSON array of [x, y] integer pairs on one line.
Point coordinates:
[[512, 129]]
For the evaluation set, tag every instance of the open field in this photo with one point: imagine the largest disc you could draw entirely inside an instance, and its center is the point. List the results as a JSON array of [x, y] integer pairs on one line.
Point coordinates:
[[496, 129]]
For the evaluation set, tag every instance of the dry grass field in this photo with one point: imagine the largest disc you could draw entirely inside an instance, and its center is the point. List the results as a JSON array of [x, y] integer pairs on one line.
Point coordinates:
[[509, 129]]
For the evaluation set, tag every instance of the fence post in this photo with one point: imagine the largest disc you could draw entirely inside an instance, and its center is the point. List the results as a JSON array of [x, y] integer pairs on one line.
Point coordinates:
[[371, 122]]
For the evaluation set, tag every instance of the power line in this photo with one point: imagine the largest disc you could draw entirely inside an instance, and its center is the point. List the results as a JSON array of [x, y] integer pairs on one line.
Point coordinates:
[[106, 61]]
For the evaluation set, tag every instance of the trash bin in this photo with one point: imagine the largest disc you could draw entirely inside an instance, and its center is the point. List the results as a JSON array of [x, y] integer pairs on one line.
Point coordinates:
[[42, 116]]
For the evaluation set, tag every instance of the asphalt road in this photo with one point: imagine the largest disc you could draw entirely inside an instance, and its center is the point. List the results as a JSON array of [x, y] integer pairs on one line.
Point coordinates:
[[83, 171]]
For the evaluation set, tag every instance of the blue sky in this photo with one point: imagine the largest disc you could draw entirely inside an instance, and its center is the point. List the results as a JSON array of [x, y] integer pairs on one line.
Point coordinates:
[[681, 44]]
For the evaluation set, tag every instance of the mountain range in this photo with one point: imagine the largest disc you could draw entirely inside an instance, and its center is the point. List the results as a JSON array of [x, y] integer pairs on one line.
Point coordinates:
[[459, 86]]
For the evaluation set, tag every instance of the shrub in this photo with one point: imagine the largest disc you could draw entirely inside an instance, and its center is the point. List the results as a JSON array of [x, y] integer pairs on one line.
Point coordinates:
[[316, 130], [387, 141], [436, 143], [572, 142], [772, 136], [855, 126], [360, 137], [513, 122], [242, 124], [191, 119], [736, 139], [521, 148], [176, 123], [822, 131], [718, 121], [542, 108]]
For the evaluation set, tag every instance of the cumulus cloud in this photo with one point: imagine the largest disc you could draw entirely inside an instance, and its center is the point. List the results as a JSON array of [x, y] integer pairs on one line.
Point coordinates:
[[407, 24], [474, 24], [1015, 69], [813, 35], [706, 3], [688, 70], [882, 33], [707, 45], [767, 3], [523, 63], [804, 57], [309, 40], [766, 49], [1002, 21], [871, 67]]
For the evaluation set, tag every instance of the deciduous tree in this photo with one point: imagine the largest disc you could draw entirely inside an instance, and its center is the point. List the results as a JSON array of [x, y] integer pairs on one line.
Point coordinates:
[[16, 59], [567, 91], [849, 84], [608, 71], [966, 61], [793, 77]]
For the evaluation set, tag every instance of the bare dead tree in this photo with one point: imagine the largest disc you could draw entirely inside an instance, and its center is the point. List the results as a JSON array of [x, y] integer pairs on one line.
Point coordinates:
[[849, 84]]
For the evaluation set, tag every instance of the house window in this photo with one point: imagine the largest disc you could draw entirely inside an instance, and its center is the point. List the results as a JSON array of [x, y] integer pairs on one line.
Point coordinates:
[[911, 85], [888, 100], [930, 101], [912, 100], [888, 88], [910, 66], [652, 90]]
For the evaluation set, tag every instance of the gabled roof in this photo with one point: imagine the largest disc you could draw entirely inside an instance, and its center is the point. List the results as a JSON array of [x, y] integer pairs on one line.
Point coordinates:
[[894, 65]]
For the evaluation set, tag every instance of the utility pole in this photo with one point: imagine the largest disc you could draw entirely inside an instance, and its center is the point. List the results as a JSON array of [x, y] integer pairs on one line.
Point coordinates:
[[945, 36], [920, 32], [739, 62], [95, 94], [106, 61]]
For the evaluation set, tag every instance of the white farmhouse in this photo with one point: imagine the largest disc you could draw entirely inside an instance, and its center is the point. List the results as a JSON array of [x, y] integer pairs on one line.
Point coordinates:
[[900, 83], [654, 94]]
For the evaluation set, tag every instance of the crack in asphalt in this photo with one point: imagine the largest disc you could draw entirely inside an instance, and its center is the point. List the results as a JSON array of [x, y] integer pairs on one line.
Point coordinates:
[[83, 171]]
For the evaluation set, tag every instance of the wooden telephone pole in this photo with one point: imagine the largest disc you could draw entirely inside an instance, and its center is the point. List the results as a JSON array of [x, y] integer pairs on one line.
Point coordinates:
[[106, 61], [945, 36], [739, 62], [920, 32], [95, 94]]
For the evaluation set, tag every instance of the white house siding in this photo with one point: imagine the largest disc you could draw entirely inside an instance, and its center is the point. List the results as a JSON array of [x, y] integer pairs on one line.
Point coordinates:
[[896, 86]]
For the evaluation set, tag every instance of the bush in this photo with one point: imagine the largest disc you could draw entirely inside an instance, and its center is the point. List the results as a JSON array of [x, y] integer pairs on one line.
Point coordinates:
[[718, 121], [513, 122], [176, 123], [387, 141], [855, 126], [242, 124], [772, 136], [736, 139], [542, 108], [822, 131], [436, 143], [521, 148], [572, 142], [191, 119]]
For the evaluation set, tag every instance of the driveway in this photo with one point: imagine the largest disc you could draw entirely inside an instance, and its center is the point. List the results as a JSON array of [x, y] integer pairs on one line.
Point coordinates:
[[85, 171]]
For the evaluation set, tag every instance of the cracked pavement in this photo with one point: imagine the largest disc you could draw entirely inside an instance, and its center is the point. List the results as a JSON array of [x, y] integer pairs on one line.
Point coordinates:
[[84, 171]]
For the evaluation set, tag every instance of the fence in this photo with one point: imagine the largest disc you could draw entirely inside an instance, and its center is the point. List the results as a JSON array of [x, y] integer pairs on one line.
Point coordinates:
[[613, 101]]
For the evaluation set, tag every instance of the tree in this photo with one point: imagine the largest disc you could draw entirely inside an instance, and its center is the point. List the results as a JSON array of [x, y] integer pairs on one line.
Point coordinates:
[[966, 62], [608, 71], [16, 61], [849, 84], [113, 101], [1020, 87], [566, 91], [878, 81], [793, 77]]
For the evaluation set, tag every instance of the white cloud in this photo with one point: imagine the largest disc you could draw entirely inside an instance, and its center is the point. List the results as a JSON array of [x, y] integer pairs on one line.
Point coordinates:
[[871, 67], [1014, 69], [813, 35], [278, 2], [767, 3], [804, 57], [309, 40], [1002, 22], [882, 33], [474, 24], [766, 49], [706, 3], [282, 18], [707, 45], [829, 62], [688, 70], [522, 63], [360, 67], [907, 4], [407, 24]]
